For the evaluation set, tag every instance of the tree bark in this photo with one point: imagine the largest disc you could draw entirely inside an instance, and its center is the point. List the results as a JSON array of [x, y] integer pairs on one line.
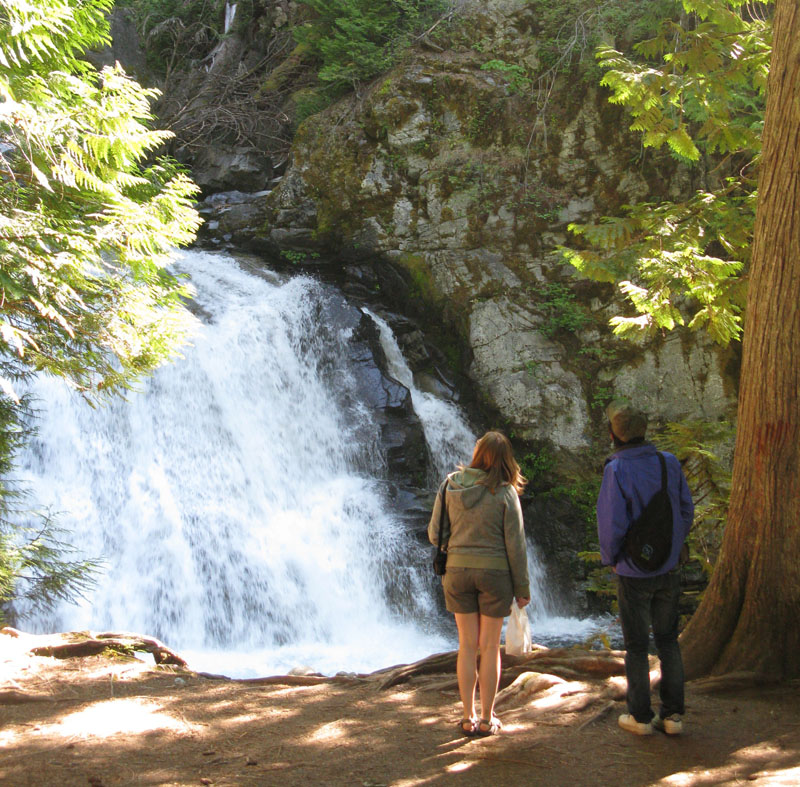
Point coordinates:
[[749, 619]]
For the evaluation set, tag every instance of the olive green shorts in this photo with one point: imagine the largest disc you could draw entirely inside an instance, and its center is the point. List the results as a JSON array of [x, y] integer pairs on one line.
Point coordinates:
[[485, 590]]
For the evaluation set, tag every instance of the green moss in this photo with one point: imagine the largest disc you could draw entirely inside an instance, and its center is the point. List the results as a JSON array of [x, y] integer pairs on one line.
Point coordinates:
[[422, 285], [284, 73]]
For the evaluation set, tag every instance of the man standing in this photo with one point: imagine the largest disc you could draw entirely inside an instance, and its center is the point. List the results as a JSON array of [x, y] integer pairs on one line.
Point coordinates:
[[632, 476]]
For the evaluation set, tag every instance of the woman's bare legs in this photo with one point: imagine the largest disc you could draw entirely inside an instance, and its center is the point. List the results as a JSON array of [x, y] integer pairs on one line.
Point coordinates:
[[478, 632], [489, 672], [468, 624]]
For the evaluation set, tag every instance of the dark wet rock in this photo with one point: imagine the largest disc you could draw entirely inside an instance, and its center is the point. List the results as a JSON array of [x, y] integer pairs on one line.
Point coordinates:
[[559, 530], [223, 168], [125, 48]]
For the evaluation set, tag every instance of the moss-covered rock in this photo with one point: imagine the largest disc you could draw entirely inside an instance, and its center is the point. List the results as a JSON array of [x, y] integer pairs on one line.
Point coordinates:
[[461, 171]]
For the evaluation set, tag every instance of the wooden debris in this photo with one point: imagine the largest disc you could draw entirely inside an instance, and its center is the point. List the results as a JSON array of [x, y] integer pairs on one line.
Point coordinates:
[[90, 645]]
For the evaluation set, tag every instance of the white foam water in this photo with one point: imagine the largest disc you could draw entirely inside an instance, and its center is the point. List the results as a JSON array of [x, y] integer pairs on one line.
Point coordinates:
[[448, 435]]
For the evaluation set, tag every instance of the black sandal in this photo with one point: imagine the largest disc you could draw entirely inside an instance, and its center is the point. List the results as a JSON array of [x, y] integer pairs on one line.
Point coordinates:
[[492, 727], [468, 727]]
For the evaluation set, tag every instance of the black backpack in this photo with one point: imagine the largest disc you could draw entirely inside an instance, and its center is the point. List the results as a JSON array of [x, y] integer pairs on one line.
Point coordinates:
[[648, 542]]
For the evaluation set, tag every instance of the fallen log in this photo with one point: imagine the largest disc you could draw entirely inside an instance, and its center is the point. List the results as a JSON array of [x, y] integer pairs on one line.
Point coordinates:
[[120, 643]]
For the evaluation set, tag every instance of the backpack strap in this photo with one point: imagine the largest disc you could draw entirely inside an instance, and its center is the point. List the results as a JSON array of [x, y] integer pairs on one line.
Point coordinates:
[[663, 472]]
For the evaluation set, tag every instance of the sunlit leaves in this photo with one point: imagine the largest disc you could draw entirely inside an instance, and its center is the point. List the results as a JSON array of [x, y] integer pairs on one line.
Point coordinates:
[[35, 34], [699, 92], [85, 231]]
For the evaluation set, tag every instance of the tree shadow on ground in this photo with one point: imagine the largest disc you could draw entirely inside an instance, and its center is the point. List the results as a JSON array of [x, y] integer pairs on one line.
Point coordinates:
[[104, 720]]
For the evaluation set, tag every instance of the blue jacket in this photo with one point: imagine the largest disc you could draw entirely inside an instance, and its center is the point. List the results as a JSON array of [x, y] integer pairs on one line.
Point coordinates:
[[631, 477]]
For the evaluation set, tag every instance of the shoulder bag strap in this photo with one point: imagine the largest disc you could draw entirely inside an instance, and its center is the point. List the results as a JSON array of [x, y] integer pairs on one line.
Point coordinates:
[[442, 508]]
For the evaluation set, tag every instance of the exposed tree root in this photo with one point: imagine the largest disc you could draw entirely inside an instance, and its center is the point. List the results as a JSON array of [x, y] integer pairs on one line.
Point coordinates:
[[597, 715], [287, 680], [89, 645], [733, 681], [439, 662], [567, 663], [563, 680], [14, 697]]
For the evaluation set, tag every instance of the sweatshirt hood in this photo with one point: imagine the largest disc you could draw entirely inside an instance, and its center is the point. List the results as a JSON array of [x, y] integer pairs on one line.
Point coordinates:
[[465, 484]]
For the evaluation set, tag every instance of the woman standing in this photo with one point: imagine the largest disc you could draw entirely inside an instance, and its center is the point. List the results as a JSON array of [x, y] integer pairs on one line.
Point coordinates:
[[487, 567]]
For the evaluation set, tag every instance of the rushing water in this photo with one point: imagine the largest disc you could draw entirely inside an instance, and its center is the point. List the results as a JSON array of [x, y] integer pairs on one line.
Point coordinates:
[[239, 498], [450, 442]]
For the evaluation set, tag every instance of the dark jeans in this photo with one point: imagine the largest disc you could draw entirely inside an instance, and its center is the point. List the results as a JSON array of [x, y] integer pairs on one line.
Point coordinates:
[[642, 602]]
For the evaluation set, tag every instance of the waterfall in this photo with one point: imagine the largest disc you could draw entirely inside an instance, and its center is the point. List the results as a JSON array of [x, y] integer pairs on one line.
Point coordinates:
[[450, 439], [450, 443], [230, 15], [238, 498]]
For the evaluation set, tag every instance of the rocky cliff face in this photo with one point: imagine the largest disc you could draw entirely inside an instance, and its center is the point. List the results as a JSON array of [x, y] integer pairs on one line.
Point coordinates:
[[452, 170]]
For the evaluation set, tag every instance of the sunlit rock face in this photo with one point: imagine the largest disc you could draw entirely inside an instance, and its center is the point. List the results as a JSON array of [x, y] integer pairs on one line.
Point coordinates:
[[523, 373], [444, 169]]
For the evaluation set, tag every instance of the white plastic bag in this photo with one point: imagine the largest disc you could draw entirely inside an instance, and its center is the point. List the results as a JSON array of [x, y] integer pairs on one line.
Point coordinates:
[[518, 632]]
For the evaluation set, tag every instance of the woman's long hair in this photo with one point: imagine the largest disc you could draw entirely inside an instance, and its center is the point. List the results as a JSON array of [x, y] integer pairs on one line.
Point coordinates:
[[493, 454]]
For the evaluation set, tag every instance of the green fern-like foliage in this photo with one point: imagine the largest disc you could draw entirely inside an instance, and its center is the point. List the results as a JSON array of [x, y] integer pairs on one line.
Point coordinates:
[[86, 231], [699, 91], [37, 567], [697, 444]]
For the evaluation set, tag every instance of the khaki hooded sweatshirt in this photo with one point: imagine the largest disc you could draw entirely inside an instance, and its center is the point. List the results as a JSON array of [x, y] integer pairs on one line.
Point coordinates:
[[481, 529]]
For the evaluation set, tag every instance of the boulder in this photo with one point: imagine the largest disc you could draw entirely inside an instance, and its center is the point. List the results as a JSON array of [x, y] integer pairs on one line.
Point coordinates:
[[224, 168]]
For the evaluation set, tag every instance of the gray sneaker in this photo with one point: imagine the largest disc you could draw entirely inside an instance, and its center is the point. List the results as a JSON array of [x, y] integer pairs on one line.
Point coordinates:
[[627, 722], [672, 725]]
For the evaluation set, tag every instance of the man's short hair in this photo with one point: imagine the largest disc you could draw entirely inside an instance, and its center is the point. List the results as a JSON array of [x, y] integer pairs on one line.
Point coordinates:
[[627, 422]]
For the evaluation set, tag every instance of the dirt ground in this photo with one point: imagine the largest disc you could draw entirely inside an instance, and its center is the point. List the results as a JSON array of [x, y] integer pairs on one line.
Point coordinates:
[[116, 720]]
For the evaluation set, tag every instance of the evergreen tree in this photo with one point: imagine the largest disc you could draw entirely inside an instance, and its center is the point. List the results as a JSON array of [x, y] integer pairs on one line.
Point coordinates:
[[355, 40], [749, 619]]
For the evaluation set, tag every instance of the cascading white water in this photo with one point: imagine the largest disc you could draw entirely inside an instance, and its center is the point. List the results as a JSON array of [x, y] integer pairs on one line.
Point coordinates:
[[238, 499], [450, 442], [450, 439]]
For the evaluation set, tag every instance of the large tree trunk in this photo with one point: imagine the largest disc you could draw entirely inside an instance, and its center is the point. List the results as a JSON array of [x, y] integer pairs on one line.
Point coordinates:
[[749, 619]]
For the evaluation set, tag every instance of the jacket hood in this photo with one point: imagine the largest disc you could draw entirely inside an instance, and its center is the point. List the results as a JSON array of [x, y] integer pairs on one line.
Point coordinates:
[[633, 451], [465, 484]]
